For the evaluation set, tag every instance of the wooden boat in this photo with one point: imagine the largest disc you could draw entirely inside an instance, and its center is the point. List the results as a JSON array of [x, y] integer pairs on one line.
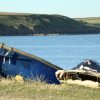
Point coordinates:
[[14, 62], [87, 70], [82, 75], [79, 75]]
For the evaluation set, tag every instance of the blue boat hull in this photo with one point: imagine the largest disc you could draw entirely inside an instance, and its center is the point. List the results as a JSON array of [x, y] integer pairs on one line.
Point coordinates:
[[14, 62]]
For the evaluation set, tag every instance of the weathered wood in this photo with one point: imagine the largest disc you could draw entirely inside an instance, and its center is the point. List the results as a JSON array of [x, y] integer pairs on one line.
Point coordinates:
[[82, 75]]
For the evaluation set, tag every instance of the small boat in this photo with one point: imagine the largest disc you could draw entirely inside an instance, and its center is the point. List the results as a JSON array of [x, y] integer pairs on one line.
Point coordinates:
[[82, 75], [87, 70], [17, 62]]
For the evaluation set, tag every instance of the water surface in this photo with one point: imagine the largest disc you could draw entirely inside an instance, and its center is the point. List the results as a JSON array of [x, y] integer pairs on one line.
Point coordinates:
[[65, 51]]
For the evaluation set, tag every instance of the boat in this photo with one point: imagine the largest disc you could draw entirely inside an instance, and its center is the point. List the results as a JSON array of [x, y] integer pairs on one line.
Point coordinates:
[[17, 62], [86, 70], [82, 75]]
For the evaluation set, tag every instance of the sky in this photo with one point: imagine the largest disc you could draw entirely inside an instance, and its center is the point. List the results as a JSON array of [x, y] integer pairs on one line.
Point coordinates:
[[69, 8]]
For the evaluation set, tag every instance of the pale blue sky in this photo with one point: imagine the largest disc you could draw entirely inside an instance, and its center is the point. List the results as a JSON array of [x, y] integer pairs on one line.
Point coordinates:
[[70, 8]]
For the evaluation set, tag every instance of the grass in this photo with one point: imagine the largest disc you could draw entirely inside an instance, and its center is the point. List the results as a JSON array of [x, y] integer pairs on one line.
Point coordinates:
[[91, 20], [29, 90]]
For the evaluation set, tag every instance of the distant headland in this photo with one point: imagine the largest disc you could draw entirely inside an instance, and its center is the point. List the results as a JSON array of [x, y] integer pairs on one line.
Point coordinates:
[[23, 24]]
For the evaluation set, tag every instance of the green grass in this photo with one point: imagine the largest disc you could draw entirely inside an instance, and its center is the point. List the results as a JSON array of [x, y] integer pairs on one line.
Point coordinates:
[[42, 91]]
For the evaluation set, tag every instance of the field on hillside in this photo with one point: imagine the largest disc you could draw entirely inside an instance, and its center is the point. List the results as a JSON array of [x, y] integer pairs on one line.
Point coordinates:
[[12, 90], [94, 20]]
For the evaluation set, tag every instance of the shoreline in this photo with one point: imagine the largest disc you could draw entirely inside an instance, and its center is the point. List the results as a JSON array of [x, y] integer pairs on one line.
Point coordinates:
[[54, 34]]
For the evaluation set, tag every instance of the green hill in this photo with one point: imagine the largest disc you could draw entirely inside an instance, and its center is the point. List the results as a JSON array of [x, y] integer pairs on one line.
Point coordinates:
[[41, 24]]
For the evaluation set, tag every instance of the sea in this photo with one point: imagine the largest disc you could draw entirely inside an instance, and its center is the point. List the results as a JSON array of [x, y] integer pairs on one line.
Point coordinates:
[[65, 51]]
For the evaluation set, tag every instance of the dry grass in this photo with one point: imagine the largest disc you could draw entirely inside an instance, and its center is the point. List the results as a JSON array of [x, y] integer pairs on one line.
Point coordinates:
[[29, 90], [90, 20], [86, 83]]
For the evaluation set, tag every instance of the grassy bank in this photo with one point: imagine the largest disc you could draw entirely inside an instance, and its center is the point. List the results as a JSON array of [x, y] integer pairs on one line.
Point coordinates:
[[12, 90]]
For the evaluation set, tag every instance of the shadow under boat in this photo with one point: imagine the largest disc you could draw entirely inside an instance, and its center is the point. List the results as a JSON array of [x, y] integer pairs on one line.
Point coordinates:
[[14, 62]]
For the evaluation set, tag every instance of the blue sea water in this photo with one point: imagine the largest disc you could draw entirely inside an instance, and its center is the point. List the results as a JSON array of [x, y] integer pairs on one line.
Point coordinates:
[[65, 51]]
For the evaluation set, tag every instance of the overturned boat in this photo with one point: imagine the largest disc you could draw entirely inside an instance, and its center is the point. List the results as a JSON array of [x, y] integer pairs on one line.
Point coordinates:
[[87, 70], [16, 62]]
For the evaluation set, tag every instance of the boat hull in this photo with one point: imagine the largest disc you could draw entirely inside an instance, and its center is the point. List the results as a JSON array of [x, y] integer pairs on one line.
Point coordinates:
[[16, 62]]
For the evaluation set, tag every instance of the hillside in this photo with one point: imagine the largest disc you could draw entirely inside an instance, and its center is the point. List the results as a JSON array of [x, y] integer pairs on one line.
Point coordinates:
[[41, 24], [90, 20]]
